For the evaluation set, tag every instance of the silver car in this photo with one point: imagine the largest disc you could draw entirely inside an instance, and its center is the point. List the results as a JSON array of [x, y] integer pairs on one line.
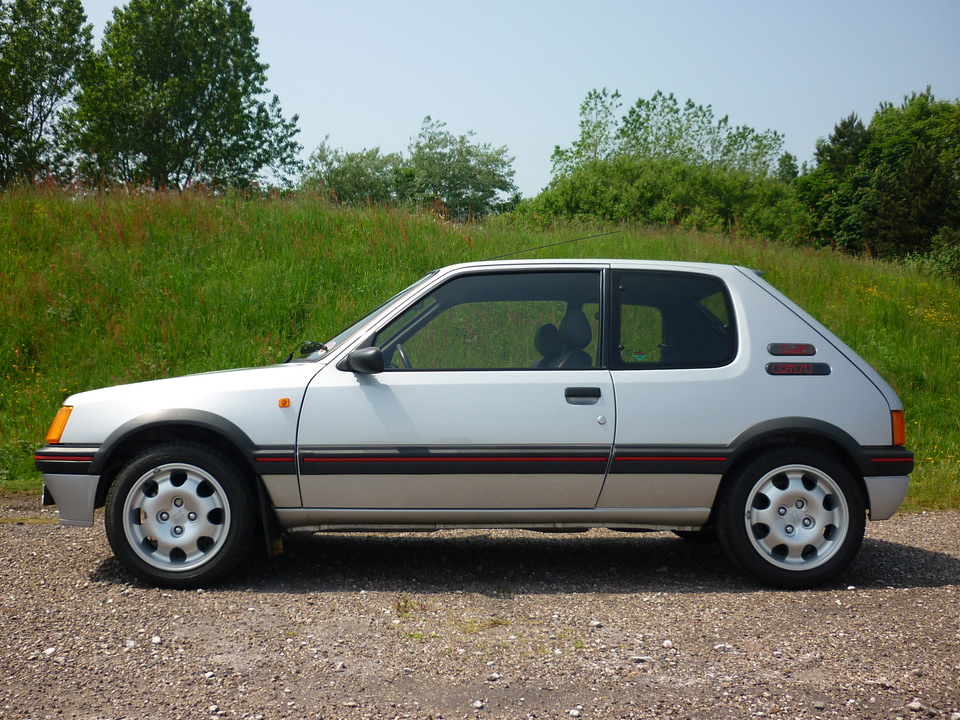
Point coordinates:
[[546, 395]]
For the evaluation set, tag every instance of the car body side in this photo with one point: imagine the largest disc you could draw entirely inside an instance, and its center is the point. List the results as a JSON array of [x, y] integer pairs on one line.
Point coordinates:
[[271, 421]]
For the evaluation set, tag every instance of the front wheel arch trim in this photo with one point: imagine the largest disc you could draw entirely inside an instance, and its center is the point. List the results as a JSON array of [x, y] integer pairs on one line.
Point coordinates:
[[174, 425], [167, 420]]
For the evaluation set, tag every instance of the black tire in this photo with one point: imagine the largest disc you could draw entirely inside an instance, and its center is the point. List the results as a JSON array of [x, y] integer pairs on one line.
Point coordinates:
[[180, 515], [793, 517]]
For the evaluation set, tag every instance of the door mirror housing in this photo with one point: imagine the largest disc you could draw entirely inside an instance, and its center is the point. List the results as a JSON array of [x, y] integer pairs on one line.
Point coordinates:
[[365, 361]]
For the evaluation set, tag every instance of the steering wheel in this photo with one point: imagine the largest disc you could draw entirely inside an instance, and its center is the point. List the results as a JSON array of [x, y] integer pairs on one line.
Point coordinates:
[[403, 356]]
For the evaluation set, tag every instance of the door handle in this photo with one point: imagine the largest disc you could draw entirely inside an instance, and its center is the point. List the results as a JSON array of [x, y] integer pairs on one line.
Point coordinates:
[[581, 392]]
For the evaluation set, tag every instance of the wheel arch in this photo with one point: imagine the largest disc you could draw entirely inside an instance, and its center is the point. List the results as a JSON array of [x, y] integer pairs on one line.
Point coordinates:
[[145, 431], [805, 432]]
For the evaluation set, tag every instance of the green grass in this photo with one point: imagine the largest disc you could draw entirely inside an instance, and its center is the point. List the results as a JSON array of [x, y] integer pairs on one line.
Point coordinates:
[[99, 289]]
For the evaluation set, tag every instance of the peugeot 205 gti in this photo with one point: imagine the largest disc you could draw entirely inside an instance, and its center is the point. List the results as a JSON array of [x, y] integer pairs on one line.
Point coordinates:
[[545, 395]]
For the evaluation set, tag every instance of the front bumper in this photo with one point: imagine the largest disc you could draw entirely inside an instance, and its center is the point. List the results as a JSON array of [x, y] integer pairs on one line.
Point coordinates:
[[74, 496], [67, 482]]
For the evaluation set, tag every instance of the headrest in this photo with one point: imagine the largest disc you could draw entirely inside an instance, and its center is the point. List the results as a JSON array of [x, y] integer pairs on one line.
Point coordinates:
[[575, 330], [547, 340]]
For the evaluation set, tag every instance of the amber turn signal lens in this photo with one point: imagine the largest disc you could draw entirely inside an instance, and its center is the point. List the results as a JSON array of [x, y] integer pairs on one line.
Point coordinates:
[[58, 424], [899, 427]]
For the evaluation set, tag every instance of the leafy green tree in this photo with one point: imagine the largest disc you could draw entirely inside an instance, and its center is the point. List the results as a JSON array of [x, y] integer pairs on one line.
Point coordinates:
[[661, 128], [598, 133], [892, 188], [468, 178], [842, 150], [353, 177], [663, 163], [41, 43], [174, 97], [787, 170]]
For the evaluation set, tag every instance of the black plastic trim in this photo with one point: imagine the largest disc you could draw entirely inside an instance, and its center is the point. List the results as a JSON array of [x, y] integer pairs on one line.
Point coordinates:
[[65, 459], [785, 368], [454, 461], [888, 461], [170, 418], [678, 460], [862, 457], [275, 461]]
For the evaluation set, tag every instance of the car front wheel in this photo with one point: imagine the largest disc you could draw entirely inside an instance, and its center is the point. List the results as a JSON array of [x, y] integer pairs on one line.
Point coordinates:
[[793, 517], [179, 515]]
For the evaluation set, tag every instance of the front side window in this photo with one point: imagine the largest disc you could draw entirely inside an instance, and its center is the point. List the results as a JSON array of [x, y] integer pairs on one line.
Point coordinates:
[[671, 320], [499, 321]]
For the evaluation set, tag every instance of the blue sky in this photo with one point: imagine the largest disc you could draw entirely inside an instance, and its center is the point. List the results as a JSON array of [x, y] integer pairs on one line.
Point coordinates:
[[366, 72]]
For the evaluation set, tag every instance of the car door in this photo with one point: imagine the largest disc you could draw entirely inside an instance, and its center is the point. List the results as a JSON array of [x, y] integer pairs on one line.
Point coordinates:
[[492, 398]]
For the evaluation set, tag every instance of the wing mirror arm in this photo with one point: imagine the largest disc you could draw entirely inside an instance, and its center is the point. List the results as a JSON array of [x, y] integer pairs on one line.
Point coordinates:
[[365, 361]]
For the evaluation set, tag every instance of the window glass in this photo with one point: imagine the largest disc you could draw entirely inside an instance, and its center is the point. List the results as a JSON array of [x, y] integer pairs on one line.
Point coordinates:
[[671, 320], [641, 334], [507, 320]]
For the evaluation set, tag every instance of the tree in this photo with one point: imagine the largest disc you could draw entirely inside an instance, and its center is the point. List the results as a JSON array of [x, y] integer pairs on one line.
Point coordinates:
[[466, 177], [842, 150], [41, 43], [469, 179], [787, 170], [353, 177], [659, 128], [892, 188], [173, 97], [598, 133]]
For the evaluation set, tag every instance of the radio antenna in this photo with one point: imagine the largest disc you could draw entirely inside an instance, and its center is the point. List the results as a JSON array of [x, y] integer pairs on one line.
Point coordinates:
[[550, 245]]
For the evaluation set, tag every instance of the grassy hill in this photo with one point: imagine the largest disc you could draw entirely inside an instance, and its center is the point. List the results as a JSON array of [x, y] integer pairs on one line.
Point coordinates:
[[101, 289]]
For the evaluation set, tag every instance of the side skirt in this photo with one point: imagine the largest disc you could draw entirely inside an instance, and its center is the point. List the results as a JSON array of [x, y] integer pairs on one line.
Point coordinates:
[[374, 520]]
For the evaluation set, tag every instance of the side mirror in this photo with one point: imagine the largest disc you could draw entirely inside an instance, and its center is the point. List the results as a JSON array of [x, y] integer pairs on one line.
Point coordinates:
[[366, 361]]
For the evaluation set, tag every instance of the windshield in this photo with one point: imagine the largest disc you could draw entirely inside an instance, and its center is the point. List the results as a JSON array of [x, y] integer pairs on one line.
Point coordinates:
[[346, 333]]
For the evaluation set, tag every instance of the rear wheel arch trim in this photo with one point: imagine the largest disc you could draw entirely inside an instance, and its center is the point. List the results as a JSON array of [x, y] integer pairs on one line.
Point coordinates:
[[806, 432], [780, 430]]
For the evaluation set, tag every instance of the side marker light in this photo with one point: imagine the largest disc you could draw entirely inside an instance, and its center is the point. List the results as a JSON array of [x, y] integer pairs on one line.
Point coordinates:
[[284, 402], [899, 427], [58, 425]]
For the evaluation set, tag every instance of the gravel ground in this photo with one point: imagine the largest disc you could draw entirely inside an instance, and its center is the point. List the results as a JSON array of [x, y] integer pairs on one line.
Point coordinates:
[[479, 624]]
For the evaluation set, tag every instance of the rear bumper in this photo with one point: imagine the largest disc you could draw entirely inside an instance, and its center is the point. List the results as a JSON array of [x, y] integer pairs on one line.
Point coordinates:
[[886, 494]]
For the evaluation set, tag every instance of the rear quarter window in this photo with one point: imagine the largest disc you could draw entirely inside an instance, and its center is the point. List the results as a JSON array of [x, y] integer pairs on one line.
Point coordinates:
[[671, 320]]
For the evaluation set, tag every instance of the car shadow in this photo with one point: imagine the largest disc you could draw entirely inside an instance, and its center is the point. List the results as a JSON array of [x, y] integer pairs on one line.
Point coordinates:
[[546, 563]]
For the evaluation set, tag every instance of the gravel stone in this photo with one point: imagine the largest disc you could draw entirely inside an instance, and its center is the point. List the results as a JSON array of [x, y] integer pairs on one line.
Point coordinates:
[[306, 636]]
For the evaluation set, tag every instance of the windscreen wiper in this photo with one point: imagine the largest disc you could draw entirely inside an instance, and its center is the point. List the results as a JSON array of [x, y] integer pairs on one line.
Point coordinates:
[[308, 348]]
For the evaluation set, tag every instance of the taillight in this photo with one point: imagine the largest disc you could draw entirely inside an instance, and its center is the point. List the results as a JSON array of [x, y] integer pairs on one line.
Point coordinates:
[[899, 427], [58, 424]]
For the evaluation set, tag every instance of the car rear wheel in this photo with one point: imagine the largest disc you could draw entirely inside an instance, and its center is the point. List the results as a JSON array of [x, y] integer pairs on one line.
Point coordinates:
[[179, 515], [793, 517]]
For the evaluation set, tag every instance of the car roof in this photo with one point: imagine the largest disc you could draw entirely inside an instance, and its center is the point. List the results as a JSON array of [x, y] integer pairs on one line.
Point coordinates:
[[671, 265]]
